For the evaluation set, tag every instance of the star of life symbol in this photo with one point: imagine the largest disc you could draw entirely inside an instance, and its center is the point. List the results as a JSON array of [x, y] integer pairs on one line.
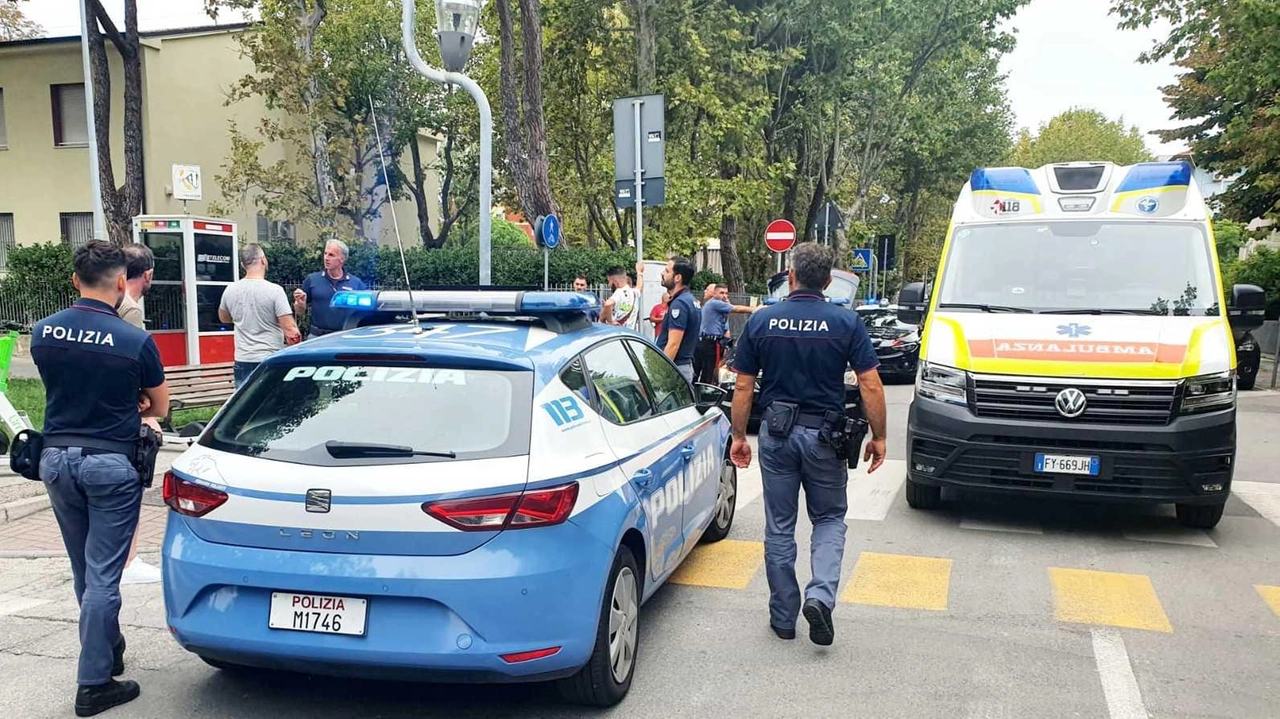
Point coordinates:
[[1074, 330]]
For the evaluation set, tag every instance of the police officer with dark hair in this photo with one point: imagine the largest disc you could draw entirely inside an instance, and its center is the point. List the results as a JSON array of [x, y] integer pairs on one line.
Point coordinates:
[[94, 366], [678, 337], [803, 347]]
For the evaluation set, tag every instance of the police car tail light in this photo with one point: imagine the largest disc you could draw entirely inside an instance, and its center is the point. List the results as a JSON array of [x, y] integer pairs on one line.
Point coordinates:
[[540, 508], [190, 498]]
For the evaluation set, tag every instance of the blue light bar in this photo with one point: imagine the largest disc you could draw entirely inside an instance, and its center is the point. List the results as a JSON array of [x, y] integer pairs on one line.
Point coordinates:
[[496, 302], [1003, 179], [1153, 175]]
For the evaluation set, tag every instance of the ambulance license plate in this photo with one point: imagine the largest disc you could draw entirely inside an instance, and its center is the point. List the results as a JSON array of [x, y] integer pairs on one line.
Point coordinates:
[[318, 613], [1067, 464]]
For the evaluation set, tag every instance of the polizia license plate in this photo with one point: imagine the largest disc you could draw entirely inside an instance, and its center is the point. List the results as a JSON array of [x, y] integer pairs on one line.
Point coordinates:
[[1067, 464], [318, 613]]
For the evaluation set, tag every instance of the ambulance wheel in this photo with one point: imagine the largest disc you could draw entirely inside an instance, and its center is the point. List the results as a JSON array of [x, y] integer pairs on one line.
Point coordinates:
[[726, 504], [922, 496], [1200, 516], [606, 677]]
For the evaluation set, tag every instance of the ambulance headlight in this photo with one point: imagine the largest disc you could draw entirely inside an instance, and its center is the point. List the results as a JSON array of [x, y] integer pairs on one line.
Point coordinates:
[[944, 384], [1209, 392]]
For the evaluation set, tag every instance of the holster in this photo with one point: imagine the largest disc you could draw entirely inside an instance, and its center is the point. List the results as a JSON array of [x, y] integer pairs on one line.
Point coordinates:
[[781, 417], [145, 452], [24, 454]]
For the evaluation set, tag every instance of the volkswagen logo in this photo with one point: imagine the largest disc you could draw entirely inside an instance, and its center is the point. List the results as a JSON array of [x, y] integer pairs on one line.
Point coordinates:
[[1070, 403], [319, 500]]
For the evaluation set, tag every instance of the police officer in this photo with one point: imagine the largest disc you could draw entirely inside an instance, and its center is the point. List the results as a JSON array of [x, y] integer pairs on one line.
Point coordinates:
[[680, 326], [803, 346], [95, 366]]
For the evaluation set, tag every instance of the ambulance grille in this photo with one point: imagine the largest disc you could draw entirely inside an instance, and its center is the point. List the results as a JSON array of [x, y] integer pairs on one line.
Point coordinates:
[[1030, 398]]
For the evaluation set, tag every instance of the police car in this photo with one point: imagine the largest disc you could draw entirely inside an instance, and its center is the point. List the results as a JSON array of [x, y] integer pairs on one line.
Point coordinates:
[[488, 492]]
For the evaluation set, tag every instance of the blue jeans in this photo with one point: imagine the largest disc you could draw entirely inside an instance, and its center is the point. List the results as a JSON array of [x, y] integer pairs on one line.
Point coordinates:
[[96, 499], [786, 465], [242, 371]]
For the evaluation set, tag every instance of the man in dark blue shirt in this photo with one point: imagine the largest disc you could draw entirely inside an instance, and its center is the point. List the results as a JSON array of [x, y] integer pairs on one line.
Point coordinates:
[[714, 331], [679, 335], [319, 288], [95, 366], [802, 348]]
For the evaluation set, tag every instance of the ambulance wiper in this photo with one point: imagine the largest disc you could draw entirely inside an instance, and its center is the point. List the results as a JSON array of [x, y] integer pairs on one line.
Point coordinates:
[[353, 450], [984, 308], [1101, 311]]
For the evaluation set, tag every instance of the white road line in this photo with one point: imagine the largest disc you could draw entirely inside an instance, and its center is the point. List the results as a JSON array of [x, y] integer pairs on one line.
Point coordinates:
[[1264, 497], [750, 485], [1119, 685], [984, 525], [1171, 535], [13, 603], [872, 495]]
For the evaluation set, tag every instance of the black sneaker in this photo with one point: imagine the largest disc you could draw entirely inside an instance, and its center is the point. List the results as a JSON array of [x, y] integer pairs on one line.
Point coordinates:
[[783, 633], [821, 630], [101, 697], [117, 666]]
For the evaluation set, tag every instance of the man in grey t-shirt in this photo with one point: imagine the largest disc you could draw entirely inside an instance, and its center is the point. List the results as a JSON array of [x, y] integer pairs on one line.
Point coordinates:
[[261, 314]]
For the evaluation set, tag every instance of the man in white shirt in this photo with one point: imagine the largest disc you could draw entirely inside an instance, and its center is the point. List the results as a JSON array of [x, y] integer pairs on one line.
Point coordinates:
[[623, 307]]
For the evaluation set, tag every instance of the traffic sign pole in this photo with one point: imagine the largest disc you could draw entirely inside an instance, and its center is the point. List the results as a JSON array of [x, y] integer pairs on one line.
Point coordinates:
[[635, 104]]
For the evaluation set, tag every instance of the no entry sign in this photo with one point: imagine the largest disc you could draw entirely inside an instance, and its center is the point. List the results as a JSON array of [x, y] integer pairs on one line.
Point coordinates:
[[780, 235]]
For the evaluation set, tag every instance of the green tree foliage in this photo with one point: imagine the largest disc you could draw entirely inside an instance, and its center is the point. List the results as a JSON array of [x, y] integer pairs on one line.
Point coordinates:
[[14, 25], [1262, 268], [1230, 237], [1228, 97], [1080, 135]]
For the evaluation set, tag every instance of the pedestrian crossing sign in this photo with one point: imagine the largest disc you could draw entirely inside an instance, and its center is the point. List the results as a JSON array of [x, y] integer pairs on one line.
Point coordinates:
[[861, 259]]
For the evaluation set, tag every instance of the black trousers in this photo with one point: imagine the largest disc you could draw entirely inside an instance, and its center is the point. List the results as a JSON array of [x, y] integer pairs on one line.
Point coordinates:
[[706, 360]]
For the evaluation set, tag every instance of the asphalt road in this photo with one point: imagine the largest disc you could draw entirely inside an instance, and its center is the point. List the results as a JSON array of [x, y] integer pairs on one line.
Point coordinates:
[[982, 609]]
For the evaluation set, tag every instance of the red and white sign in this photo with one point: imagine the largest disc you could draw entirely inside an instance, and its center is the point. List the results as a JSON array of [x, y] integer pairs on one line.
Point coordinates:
[[213, 226], [780, 235]]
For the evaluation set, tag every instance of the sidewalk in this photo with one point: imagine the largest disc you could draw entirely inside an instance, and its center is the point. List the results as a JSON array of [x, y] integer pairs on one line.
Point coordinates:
[[37, 535]]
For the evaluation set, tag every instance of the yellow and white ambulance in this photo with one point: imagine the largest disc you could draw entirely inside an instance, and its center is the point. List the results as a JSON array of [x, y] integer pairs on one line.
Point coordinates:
[[1077, 342]]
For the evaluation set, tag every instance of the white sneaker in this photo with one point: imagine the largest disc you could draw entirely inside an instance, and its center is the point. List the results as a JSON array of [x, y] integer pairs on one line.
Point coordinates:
[[139, 572]]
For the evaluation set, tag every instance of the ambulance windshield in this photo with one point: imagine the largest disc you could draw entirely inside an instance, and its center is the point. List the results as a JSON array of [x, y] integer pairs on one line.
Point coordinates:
[[1158, 268]]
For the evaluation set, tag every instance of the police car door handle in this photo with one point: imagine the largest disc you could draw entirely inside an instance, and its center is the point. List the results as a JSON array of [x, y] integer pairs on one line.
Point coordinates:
[[642, 477], [688, 451]]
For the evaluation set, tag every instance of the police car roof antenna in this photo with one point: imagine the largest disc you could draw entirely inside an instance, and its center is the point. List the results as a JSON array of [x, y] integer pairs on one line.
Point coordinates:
[[386, 177]]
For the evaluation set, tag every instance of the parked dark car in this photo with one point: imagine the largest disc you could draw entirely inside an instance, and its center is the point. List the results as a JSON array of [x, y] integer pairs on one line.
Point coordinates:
[[1248, 357], [897, 343]]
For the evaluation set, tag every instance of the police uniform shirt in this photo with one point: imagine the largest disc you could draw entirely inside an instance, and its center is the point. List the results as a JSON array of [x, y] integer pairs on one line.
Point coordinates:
[[682, 314], [804, 346], [94, 365], [320, 289]]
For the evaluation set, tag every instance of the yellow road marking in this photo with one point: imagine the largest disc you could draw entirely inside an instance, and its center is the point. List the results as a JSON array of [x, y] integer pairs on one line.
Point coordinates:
[[1270, 595], [1120, 600], [897, 580], [729, 564]]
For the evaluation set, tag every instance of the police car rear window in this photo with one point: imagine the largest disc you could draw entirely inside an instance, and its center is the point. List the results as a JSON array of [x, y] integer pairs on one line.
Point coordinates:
[[302, 413]]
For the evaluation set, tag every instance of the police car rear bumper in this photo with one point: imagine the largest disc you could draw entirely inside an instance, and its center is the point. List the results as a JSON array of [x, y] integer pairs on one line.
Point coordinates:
[[1189, 461], [442, 618]]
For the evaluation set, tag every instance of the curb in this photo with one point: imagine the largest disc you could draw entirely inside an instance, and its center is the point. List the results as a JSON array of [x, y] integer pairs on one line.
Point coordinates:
[[55, 553], [13, 511]]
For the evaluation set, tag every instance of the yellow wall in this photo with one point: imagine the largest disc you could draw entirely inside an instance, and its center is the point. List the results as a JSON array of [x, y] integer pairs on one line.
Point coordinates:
[[185, 121]]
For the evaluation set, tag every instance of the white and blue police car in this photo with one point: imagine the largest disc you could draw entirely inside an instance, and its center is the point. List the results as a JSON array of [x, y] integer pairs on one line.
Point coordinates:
[[462, 486]]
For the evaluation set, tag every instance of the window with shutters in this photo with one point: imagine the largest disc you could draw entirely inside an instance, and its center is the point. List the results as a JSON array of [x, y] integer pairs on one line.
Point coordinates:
[[6, 238], [77, 228], [70, 123], [4, 134]]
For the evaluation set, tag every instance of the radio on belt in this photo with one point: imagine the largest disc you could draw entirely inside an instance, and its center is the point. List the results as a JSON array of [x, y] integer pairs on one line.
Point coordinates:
[[196, 260]]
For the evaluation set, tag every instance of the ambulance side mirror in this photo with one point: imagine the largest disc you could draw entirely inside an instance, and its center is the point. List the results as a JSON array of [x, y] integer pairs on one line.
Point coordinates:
[[1247, 309], [913, 303]]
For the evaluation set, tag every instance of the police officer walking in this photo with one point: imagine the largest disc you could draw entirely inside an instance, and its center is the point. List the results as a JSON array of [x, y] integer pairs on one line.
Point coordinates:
[[803, 347], [95, 366]]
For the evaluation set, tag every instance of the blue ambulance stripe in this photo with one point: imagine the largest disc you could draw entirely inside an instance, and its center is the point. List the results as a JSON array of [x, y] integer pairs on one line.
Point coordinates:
[[1006, 179], [1155, 175]]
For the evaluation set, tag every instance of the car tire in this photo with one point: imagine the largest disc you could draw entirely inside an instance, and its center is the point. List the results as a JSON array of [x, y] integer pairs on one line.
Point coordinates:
[[597, 683], [1200, 516], [922, 496], [1248, 375], [726, 504]]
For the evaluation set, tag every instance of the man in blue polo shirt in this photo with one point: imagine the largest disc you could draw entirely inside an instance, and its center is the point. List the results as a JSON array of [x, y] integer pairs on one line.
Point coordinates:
[[679, 335], [319, 288], [95, 366]]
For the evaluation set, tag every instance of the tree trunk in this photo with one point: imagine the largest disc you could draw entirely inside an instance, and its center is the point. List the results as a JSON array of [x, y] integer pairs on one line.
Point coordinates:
[[534, 124], [119, 204], [646, 46], [322, 162], [729, 254], [793, 186], [517, 160], [418, 188]]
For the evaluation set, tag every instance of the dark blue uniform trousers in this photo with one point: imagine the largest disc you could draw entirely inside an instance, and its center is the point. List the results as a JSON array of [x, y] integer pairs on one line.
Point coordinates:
[[787, 464], [96, 499]]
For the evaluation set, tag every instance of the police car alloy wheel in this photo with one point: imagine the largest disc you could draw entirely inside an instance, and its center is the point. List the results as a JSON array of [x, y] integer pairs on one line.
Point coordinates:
[[726, 504], [624, 616], [606, 677]]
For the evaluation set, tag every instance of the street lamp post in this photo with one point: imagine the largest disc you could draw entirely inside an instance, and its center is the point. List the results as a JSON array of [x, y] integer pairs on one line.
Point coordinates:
[[456, 24]]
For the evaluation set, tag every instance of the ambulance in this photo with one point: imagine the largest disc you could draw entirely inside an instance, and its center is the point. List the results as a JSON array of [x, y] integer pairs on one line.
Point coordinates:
[[1077, 343]]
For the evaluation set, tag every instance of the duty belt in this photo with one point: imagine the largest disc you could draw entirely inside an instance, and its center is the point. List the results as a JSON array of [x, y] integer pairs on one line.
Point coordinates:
[[811, 421]]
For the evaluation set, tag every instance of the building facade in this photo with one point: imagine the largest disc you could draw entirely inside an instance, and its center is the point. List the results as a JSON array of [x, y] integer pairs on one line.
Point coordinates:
[[45, 191]]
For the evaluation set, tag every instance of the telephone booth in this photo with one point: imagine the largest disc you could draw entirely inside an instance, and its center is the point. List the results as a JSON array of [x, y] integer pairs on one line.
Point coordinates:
[[196, 260]]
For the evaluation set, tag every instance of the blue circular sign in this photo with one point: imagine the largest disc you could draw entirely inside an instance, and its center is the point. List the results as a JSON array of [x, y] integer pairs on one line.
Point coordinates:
[[1148, 205], [551, 232]]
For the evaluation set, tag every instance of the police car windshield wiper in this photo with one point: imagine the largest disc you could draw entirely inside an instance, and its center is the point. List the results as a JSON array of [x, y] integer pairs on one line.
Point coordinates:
[[984, 308], [1100, 311], [351, 450]]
